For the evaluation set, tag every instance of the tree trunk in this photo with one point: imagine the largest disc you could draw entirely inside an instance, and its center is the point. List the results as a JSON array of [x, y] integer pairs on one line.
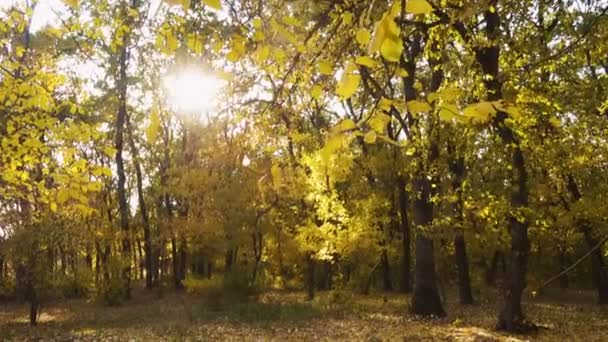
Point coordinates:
[[511, 318], [406, 280], [462, 262], [229, 258], [143, 208], [386, 272], [310, 276], [491, 270], [425, 300], [457, 169], [120, 168], [183, 259], [176, 268]]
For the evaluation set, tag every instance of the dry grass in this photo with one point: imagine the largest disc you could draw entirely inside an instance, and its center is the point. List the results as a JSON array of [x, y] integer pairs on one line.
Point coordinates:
[[287, 316]]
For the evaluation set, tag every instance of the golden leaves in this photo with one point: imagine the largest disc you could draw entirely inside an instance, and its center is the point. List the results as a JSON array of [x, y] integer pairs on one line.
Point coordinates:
[[418, 7], [363, 36], [349, 82], [216, 4], [326, 68]]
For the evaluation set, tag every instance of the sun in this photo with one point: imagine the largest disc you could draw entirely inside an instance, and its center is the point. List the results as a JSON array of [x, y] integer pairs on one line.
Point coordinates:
[[193, 91]]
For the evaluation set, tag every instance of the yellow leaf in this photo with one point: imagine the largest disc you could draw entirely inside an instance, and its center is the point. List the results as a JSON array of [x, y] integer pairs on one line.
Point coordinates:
[[257, 23], [172, 42], [217, 4], [416, 107], [391, 49], [481, 110], [277, 175], [289, 20], [262, 54], [379, 122], [363, 36], [366, 61], [348, 18], [348, 86], [316, 92], [299, 137], [325, 68], [72, 3], [418, 7], [448, 112], [344, 125], [402, 72], [153, 127], [370, 137], [332, 145]]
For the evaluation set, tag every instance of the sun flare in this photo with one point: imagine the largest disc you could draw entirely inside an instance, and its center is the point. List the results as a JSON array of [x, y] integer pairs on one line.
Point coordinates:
[[193, 91]]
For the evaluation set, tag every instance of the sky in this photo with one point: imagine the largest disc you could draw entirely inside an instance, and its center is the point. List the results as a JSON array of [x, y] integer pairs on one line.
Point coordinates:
[[44, 13]]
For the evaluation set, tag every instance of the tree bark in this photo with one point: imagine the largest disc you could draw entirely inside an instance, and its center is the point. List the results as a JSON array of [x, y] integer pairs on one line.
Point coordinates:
[[491, 270], [425, 300], [511, 317], [310, 276], [175, 259], [122, 83], [183, 259], [386, 272], [457, 169], [406, 280], [462, 262], [143, 208]]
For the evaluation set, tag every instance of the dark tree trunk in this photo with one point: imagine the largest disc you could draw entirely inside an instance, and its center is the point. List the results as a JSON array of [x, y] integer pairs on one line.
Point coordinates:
[[425, 300], [462, 262], [310, 276], [386, 272], [406, 280], [183, 259], [176, 268], [98, 258], [492, 269], [457, 169], [1, 270], [229, 258], [511, 317], [34, 306], [120, 167]]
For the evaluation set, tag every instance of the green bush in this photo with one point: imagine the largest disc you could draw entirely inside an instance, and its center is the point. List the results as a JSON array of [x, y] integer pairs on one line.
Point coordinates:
[[112, 291], [220, 292], [76, 285], [8, 290]]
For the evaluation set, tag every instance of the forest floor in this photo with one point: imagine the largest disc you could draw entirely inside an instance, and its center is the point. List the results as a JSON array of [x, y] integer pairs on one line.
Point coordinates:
[[286, 316]]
